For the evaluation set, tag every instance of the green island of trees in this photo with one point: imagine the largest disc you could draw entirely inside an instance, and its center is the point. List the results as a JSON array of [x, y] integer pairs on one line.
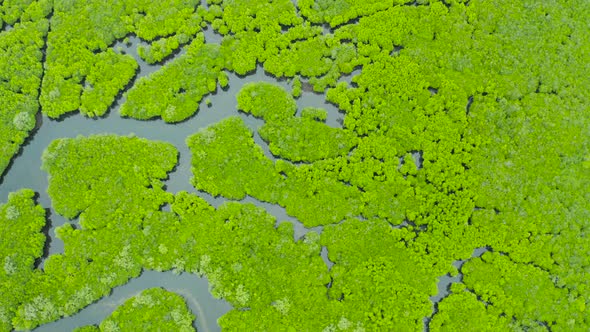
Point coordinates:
[[465, 129], [151, 310], [22, 243], [21, 70]]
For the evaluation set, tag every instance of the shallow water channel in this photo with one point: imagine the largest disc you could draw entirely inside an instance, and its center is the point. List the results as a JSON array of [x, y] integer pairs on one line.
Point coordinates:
[[25, 172]]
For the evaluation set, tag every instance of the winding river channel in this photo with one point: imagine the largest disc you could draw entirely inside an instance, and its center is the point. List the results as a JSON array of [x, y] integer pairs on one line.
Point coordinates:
[[25, 172]]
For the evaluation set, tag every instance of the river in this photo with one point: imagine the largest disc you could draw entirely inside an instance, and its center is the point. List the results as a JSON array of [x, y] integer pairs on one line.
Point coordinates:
[[25, 172]]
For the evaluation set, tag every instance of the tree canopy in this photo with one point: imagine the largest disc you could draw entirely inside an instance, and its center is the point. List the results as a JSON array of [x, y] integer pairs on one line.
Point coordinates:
[[465, 127], [153, 309], [21, 71]]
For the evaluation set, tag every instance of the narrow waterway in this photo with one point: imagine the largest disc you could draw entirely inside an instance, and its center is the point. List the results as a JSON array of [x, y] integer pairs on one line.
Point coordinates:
[[25, 172], [444, 284], [193, 289]]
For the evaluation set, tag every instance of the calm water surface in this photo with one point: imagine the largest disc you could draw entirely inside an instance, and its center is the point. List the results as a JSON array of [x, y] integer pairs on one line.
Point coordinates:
[[193, 289], [25, 172]]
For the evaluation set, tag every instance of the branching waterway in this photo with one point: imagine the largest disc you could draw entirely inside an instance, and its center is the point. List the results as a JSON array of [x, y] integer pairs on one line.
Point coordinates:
[[25, 172]]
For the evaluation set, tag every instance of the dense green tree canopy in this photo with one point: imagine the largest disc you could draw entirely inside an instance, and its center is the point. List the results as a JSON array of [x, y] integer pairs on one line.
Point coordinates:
[[21, 222], [465, 126], [267, 101], [174, 92], [154, 309], [85, 174], [82, 70], [21, 69], [83, 171], [226, 161]]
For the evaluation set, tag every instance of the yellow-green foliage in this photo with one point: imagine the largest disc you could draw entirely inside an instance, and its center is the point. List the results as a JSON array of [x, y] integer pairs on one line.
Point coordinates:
[[465, 127], [159, 49], [517, 289], [303, 139], [82, 70], [226, 161], [107, 160], [462, 311], [253, 25], [174, 92], [21, 69], [21, 222], [296, 139], [296, 92], [85, 174], [314, 113], [364, 272], [154, 309], [77, 46], [249, 261], [339, 12], [266, 100]]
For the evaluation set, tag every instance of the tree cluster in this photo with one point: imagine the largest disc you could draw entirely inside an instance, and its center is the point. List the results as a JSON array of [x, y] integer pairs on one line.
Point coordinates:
[[175, 92], [21, 224], [82, 71], [110, 184], [21, 69], [466, 128], [153, 309]]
